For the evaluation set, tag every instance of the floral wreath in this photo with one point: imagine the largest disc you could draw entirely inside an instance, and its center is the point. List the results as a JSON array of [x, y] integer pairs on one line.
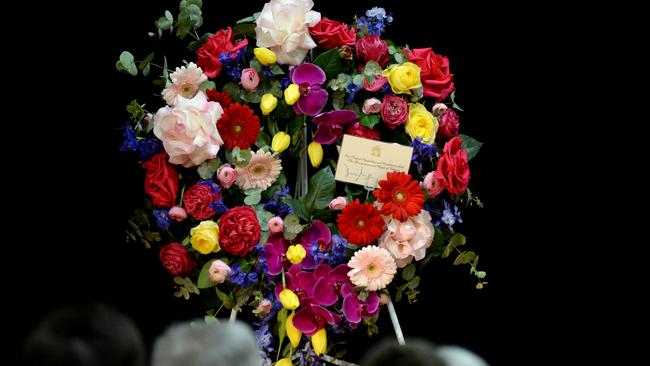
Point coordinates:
[[321, 257]]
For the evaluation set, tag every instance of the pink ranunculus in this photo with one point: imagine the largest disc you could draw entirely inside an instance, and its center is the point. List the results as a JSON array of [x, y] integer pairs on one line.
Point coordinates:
[[338, 203], [188, 130], [371, 105], [433, 186], [276, 225], [177, 213], [249, 78], [408, 240], [227, 175], [219, 271]]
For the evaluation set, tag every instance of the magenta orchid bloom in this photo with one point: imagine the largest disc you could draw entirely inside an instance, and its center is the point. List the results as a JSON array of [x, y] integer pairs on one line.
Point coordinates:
[[311, 317], [330, 282], [298, 281], [313, 97], [354, 309], [319, 233], [331, 125], [273, 253]]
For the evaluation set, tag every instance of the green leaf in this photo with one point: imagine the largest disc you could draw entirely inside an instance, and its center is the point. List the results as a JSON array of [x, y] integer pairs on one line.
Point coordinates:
[[208, 168], [126, 58], [282, 326], [250, 19], [126, 64], [233, 90], [338, 99], [251, 96], [298, 208], [145, 72], [321, 190], [438, 242], [147, 60], [244, 29], [471, 145], [276, 69], [330, 62], [253, 199], [283, 111], [169, 15], [474, 265], [414, 283], [196, 44], [263, 139], [399, 57], [369, 120], [204, 276], [208, 84], [453, 100], [408, 272], [481, 274], [292, 224], [371, 70], [164, 24], [226, 299], [455, 241], [464, 258], [392, 49], [255, 64]]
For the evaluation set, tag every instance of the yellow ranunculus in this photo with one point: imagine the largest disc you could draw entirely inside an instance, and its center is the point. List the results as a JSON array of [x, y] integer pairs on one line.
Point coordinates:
[[293, 333], [421, 123], [402, 78], [281, 142], [265, 56], [284, 362], [292, 94], [289, 299], [315, 152], [268, 103], [205, 237], [319, 342], [296, 253]]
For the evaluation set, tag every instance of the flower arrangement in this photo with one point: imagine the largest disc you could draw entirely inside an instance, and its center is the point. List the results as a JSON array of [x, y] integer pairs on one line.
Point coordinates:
[[240, 154]]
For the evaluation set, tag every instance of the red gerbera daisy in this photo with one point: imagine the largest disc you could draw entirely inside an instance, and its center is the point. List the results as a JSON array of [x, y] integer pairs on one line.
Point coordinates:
[[401, 196], [222, 98], [360, 224], [238, 126]]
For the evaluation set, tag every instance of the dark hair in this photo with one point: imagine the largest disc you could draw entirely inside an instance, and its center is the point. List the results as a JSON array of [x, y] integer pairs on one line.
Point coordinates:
[[85, 335], [416, 352]]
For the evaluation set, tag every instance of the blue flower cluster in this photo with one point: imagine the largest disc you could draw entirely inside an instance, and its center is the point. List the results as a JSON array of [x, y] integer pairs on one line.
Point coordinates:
[[307, 356], [353, 89], [231, 63], [444, 214], [241, 278], [449, 217], [334, 256], [421, 152], [375, 21], [162, 218], [217, 205], [263, 336], [276, 206], [147, 147]]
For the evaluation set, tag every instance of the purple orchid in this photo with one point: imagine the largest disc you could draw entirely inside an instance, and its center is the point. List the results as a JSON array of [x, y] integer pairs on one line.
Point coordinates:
[[319, 233], [311, 317], [313, 97], [331, 125], [273, 253], [355, 309], [330, 282], [298, 281]]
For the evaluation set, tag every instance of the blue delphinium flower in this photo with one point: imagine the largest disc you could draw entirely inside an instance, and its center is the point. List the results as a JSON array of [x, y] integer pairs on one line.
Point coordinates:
[[353, 89], [237, 276], [335, 255], [276, 207], [162, 218], [421, 152], [130, 142], [375, 20], [148, 148], [218, 205], [450, 217], [263, 336], [284, 83], [232, 64]]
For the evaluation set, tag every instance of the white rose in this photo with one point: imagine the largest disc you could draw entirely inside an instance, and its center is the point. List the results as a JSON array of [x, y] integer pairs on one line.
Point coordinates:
[[282, 27], [408, 240], [188, 130]]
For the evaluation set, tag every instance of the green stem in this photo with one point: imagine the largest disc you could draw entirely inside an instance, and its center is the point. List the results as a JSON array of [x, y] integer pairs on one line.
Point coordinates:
[[180, 200]]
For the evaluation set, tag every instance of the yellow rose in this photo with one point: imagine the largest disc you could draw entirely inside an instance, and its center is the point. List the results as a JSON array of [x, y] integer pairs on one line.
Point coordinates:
[[281, 142], [265, 56], [296, 253], [319, 342], [205, 237], [402, 78], [268, 103], [421, 123], [292, 94], [289, 299], [293, 333], [315, 152]]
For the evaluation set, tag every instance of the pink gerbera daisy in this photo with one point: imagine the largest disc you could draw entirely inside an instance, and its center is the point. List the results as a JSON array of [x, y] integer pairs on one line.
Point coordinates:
[[186, 81], [260, 172], [372, 267]]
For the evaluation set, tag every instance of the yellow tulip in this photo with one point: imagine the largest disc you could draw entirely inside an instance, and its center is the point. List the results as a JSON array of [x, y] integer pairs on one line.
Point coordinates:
[[292, 94], [281, 142], [205, 237], [315, 151], [319, 342], [402, 78], [265, 56], [296, 253], [284, 362], [293, 333], [289, 299], [268, 103]]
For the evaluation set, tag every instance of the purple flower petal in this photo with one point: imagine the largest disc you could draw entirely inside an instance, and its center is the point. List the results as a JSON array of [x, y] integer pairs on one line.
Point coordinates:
[[340, 117], [318, 232], [340, 273], [323, 313], [322, 270], [347, 289], [303, 321], [307, 73], [324, 292], [351, 308], [327, 134], [306, 282], [314, 102], [372, 303]]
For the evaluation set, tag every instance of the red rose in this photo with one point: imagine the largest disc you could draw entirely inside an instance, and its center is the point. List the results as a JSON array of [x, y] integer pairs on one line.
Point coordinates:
[[208, 55], [239, 230], [394, 111], [176, 259], [330, 33], [453, 171], [449, 124], [161, 181], [434, 72], [373, 48], [359, 130], [198, 200], [223, 98]]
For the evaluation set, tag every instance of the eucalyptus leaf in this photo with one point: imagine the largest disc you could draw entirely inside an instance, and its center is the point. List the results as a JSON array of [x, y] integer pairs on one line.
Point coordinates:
[[169, 15], [414, 283], [208, 168], [471, 145], [481, 274], [244, 30], [338, 99], [145, 73], [408, 272], [147, 60], [399, 57], [252, 199], [208, 84], [464, 258], [330, 62], [455, 241], [204, 276]]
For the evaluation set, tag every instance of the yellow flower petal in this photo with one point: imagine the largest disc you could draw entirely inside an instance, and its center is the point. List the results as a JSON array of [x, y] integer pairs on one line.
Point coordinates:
[[281, 142], [289, 299], [265, 56], [292, 332], [268, 103], [205, 237], [315, 152], [319, 342], [284, 362], [296, 253], [291, 94]]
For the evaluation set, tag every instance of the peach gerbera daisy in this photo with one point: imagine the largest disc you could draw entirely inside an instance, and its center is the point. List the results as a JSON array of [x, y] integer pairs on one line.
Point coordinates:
[[260, 172], [186, 81], [372, 267]]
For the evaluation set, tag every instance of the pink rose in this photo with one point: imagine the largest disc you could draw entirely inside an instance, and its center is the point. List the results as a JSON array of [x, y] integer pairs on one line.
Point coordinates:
[[438, 109], [432, 185], [264, 307], [449, 124], [338, 203], [372, 105], [188, 130], [276, 225], [227, 175], [357, 129], [372, 48], [219, 271], [249, 79], [394, 111], [408, 240], [177, 213]]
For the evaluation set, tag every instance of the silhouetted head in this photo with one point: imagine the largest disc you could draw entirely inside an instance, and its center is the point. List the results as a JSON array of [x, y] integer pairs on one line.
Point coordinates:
[[416, 352]]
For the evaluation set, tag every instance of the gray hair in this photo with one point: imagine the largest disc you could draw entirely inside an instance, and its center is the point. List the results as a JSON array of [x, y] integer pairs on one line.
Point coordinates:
[[206, 344], [458, 356]]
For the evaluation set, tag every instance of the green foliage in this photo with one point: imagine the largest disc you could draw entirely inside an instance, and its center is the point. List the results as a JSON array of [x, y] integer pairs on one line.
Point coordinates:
[[276, 69], [464, 258], [263, 139], [471, 145], [136, 110], [204, 276], [250, 19], [208, 168], [298, 208], [321, 190], [292, 226], [369, 120], [455, 241], [196, 44], [244, 30], [453, 101], [208, 84], [371, 71], [251, 96], [190, 17], [185, 287], [227, 299], [408, 272], [253, 196], [255, 64], [234, 91], [126, 64], [338, 99], [330, 62], [282, 327]]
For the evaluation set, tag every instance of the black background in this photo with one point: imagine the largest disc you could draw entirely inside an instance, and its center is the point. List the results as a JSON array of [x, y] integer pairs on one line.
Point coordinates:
[[78, 189]]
